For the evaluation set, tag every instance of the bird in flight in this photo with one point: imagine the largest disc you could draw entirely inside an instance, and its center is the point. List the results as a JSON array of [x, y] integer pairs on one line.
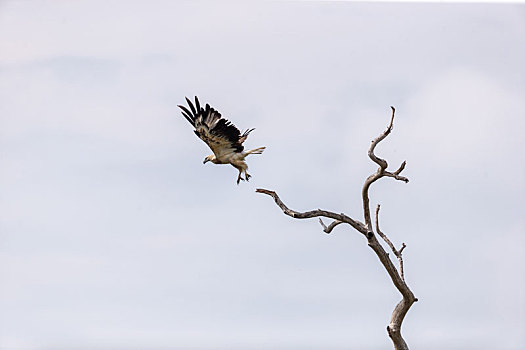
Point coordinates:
[[224, 139]]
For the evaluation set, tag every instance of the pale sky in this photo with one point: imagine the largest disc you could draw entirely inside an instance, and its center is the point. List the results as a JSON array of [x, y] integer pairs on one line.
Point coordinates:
[[114, 235]]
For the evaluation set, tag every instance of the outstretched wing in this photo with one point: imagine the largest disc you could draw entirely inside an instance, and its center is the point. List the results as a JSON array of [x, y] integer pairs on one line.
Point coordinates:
[[219, 134]]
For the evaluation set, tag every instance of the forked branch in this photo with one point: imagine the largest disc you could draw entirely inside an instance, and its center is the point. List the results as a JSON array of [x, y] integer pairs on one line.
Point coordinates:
[[381, 171], [329, 228], [397, 253], [367, 229]]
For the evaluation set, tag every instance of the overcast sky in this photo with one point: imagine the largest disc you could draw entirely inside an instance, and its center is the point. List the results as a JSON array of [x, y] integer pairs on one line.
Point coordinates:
[[114, 235]]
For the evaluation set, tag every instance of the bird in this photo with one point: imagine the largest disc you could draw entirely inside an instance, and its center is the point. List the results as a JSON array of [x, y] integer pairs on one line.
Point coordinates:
[[224, 139]]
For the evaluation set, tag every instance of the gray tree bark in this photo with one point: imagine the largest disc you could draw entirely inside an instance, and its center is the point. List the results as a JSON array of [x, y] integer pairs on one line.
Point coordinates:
[[366, 228]]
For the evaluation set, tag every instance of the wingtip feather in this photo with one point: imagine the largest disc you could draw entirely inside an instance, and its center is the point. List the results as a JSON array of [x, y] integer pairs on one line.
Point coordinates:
[[191, 106], [186, 113], [197, 104]]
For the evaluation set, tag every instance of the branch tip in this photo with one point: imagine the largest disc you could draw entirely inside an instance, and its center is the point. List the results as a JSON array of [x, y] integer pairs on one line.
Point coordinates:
[[391, 126], [262, 190], [401, 168]]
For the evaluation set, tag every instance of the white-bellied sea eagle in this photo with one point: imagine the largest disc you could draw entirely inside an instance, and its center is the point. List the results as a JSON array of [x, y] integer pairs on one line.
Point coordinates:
[[224, 139]]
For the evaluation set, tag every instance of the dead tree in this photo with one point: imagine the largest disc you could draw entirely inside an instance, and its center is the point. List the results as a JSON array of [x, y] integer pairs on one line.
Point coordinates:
[[396, 273]]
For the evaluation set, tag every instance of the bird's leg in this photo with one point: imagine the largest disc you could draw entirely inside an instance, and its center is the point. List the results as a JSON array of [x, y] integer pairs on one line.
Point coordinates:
[[247, 176], [241, 166], [239, 178]]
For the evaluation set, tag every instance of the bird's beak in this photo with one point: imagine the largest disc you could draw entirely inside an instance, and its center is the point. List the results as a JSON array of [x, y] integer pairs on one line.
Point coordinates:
[[205, 161]]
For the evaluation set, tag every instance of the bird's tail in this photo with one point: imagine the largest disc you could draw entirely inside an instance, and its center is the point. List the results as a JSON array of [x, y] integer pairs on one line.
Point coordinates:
[[256, 151]]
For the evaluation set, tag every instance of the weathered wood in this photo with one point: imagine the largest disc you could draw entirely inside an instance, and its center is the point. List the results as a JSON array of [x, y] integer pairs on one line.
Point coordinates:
[[366, 228]]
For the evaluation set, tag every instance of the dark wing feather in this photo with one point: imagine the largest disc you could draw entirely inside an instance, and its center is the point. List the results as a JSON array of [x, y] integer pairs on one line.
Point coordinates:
[[197, 104], [219, 134], [191, 106], [189, 117]]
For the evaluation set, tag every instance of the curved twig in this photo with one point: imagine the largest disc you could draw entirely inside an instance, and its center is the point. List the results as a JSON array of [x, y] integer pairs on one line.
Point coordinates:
[[381, 162], [329, 228]]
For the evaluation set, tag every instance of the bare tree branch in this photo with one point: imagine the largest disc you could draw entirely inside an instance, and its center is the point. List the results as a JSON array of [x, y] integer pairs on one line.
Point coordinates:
[[380, 233], [394, 328], [379, 173], [314, 213], [401, 168], [395, 176], [397, 253], [329, 228], [366, 228], [381, 162]]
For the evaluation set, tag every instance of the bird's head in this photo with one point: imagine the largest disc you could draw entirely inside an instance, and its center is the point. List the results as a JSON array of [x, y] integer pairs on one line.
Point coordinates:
[[209, 158]]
